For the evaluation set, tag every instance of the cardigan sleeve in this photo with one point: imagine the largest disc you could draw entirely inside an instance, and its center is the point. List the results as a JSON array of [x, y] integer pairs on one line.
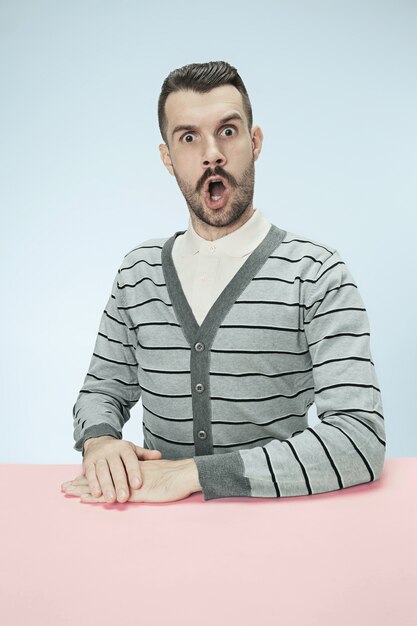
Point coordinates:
[[347, 447], [111, 386]]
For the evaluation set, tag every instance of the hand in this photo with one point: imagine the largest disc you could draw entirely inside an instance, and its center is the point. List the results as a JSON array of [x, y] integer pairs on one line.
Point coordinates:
[[109, 461], [163, 481]]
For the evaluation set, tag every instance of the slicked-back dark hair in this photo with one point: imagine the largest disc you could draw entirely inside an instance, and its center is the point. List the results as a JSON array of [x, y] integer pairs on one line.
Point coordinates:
[[201, 78]]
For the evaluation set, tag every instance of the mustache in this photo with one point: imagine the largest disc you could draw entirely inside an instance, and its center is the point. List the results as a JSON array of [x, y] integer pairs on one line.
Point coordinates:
[[218, 171]]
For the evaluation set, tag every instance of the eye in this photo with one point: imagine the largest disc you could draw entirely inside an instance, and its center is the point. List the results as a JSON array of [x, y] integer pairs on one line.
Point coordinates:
[[184, 137], [229, 128]]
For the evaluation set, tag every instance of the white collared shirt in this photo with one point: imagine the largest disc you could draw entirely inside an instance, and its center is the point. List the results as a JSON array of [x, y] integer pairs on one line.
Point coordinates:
[[206, 267]]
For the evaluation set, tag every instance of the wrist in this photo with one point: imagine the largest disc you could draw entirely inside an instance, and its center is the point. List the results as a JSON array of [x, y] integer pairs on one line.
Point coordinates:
[[88, 442], [192, 475]]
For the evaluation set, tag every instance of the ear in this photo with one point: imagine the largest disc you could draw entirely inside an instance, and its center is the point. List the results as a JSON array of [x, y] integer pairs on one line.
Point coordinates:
[[166, 159], [257, 139]]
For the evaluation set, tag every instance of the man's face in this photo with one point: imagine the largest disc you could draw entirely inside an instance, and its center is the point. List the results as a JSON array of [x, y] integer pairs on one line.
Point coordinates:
[[208, 138]]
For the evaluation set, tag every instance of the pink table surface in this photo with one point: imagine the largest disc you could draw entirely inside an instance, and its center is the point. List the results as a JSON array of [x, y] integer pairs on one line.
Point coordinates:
[[345, 558]]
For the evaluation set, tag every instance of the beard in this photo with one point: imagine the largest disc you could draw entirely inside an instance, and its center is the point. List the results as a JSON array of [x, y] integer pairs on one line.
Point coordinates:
[[241, 192]]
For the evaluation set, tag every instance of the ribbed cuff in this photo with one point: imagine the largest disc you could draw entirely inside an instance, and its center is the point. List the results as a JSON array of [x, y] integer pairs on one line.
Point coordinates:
[[98, 430], [222, 476]]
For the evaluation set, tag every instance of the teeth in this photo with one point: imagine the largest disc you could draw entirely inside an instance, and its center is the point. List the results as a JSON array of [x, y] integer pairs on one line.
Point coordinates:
[[215, 180], [215, 197]]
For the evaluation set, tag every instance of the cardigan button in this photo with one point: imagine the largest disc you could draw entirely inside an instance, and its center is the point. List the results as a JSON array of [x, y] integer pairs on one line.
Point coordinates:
[[199, 346], [199, 387], [202, 434]]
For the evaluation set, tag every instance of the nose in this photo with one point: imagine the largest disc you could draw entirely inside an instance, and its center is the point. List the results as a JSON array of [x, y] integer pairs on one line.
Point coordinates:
[[212, 155]]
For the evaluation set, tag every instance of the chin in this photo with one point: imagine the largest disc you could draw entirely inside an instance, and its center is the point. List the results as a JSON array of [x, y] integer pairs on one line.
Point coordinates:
[[225, 216]]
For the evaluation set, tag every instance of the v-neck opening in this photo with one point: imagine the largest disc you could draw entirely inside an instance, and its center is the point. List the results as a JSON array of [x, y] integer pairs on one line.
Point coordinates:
[[207, 329]]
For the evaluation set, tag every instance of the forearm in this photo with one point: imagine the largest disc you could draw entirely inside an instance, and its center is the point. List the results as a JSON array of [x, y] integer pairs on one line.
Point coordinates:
[[111, 386], [334, 455], [96, 415]]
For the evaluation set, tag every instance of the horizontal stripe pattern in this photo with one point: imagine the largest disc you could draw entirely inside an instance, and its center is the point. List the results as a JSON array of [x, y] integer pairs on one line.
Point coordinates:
[[297, 334]]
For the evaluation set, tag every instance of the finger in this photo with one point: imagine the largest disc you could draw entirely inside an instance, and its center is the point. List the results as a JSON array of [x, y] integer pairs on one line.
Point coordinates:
[[132, 466], [105, 480], [91, 475], [76, 480], [90, 498], [79, 480], [72, 484], [118, 473], [77, 490], [144, 454]]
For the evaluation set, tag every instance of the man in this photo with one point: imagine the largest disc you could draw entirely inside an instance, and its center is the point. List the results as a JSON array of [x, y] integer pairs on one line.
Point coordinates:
[[229, 332]]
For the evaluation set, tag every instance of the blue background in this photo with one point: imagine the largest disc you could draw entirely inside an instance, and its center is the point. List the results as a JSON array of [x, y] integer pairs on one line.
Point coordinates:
[[333, 87]]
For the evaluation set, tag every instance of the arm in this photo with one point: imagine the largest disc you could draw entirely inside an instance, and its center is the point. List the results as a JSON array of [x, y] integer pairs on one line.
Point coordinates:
[[111, 386], [348, 446]]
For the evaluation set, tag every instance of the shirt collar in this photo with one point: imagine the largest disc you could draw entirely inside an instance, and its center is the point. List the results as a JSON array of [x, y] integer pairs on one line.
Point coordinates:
[[236, 244]]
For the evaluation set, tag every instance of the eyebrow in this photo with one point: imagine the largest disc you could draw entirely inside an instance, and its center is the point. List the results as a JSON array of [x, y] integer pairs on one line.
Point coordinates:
[[191, 127]]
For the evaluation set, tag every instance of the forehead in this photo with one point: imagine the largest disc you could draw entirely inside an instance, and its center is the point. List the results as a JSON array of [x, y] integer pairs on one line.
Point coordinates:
[[190, 107]]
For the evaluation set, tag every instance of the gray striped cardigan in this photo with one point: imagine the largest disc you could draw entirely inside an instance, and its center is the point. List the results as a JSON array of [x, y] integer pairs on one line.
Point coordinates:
[[288, 330]]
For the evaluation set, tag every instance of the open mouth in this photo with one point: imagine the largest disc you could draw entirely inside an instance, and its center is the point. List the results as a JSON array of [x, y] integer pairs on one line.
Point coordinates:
[[216, 193], [216, 189]]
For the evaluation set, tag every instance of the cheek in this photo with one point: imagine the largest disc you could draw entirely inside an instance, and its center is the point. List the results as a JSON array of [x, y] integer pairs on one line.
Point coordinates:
[[186, 164], [239, 161], [241, 150], [189, 171]]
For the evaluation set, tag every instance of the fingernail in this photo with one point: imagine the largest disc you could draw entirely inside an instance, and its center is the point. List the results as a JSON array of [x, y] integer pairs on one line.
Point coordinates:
[[70, 487], [136, 482], [122, 493], [109, 494]]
